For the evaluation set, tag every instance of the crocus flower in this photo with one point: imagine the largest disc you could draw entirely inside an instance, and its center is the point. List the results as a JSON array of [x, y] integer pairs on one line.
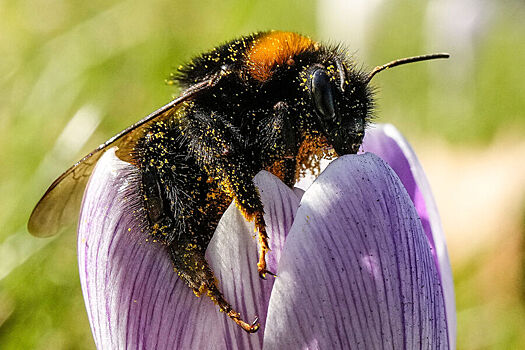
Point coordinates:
[[361, 263]]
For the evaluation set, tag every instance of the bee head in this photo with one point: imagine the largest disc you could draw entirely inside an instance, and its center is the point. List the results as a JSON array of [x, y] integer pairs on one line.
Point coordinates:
[[342, 100], [342, 103]]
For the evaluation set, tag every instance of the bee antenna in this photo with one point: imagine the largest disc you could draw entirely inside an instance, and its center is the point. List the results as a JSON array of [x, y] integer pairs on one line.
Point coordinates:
[[405, 61]]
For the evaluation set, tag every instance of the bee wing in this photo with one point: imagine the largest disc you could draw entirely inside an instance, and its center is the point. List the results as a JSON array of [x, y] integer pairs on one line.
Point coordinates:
[[59, 206]]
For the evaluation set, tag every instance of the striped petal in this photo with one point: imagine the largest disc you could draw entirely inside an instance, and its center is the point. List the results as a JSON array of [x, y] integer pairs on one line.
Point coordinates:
[[133, 297], [387, 142], [356, 270]]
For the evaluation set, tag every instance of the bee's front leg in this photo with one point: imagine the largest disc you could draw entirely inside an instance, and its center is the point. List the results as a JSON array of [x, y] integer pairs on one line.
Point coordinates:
[[239, 182]]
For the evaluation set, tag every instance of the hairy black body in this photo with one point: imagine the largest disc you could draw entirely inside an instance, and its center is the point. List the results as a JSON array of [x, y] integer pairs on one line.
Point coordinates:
[[257, 114], [273, 101]]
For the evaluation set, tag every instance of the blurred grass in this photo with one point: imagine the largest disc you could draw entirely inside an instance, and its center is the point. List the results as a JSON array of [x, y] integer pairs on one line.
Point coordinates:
[[110, 58]]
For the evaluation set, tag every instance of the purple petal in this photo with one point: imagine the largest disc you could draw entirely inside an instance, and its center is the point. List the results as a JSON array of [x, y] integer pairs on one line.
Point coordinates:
[[133, 297], [388, 143], [356, 270]]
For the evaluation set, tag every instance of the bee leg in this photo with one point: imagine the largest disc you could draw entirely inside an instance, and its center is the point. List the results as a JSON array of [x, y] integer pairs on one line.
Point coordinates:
[[192, 267], [217, 297], [249, 202]]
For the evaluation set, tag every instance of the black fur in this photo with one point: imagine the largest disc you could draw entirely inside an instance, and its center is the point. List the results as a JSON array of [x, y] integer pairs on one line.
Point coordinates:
[[205, 154]]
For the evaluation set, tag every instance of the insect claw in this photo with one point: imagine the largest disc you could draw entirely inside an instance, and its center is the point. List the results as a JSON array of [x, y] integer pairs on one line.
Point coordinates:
[[271, 273], [262, 275], [263, 272]]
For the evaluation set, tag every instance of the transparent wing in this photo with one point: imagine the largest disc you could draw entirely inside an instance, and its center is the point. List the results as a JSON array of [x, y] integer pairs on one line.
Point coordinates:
[[59, 207]]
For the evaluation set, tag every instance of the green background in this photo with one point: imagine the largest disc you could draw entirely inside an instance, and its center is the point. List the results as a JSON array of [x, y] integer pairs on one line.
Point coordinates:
[[108, 60]]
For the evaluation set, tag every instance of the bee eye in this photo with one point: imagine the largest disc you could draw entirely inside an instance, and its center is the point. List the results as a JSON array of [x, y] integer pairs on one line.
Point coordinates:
[[321, 90]]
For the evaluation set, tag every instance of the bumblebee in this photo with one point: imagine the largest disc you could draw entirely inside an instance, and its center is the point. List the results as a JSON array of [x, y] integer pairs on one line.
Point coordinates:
[[271, 101]]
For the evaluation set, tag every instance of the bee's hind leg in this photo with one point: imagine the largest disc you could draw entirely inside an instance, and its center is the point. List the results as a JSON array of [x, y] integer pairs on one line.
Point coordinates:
[[192, 267]]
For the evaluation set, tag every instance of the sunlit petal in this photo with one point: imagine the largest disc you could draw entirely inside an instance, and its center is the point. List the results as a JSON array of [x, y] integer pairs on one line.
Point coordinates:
[[356, 270]]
